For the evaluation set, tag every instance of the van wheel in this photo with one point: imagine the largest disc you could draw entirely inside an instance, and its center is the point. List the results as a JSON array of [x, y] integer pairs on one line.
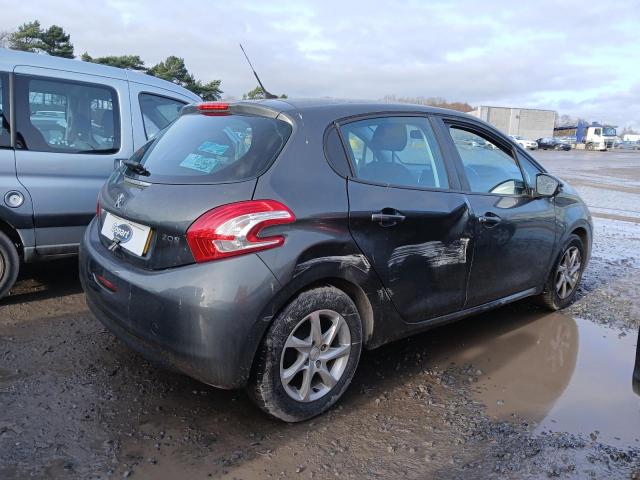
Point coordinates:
[[562, 285], [308, 356], [9, 264]]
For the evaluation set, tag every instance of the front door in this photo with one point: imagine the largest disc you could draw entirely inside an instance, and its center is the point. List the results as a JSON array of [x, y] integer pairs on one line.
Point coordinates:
[[69, 136], [412, 229], [513, 230]]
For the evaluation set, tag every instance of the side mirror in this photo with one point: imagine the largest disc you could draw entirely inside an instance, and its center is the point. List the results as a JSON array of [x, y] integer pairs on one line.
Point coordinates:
[[546, 185]]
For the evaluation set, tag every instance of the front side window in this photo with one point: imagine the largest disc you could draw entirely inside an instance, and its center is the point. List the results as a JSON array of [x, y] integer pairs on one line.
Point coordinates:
[[396, 150], [158, 112], [5, 136], [488, 168], [530, 170], [61, 116]]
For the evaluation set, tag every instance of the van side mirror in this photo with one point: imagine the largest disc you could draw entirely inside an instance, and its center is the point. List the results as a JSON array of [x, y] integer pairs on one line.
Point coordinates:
[[547, 185]]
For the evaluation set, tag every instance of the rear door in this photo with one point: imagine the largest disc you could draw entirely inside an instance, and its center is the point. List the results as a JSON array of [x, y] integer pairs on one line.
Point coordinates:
[[404, 215], [513, 230], [70, 131], [15, 209]]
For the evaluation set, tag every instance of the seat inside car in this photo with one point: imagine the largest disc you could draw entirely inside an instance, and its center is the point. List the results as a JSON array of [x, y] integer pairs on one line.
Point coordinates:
[[387, 138]]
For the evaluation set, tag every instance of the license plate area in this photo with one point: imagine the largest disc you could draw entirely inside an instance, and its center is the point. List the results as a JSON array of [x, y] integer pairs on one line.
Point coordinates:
[[129, 235]]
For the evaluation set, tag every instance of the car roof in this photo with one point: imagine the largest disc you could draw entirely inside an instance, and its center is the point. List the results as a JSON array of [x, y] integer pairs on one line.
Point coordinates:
[[9, 59], [335, 108]]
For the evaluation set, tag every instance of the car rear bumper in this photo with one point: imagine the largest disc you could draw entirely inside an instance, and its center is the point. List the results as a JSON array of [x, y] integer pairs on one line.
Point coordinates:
[[201, 319]]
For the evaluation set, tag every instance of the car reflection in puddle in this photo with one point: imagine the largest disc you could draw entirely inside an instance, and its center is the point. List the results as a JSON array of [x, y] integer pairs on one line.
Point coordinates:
[[559, 373]]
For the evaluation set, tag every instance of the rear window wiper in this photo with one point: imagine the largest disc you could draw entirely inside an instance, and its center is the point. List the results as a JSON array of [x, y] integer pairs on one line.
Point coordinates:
[[136, 167]]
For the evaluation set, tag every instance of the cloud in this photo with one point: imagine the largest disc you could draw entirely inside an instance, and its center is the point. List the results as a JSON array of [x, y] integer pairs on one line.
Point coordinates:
[[576, 57]]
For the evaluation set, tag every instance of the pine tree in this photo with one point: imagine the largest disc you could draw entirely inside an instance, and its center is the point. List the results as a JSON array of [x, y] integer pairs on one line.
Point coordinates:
[[56, 42], [28, 37], [130, 62]]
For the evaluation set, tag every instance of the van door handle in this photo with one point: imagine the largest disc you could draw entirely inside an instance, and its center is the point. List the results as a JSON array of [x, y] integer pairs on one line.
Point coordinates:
[[388, 217], [489, 219], [117, 163]]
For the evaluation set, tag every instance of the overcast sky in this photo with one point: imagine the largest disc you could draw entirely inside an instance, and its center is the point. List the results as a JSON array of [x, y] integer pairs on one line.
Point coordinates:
[[579, 58]]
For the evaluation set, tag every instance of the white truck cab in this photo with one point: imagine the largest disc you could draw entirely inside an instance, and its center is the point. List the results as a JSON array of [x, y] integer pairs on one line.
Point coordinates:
[[600, 138]]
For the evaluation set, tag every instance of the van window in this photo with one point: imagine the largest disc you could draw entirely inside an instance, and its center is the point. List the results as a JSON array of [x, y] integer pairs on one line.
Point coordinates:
[[158, 112], [488, 168], [400, 151], [62, 116], [213, 149], [5, 136]]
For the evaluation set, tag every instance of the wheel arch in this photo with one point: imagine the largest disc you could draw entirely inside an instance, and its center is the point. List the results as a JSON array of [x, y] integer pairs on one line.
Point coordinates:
[[11, 232], [582, 232]]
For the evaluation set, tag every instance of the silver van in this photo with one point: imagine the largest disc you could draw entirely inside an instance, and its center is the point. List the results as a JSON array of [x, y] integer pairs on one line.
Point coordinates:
[[65, 125]]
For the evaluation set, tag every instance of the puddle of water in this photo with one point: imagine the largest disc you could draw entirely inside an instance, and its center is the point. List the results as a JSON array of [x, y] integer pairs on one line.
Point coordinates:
[[563, 374]]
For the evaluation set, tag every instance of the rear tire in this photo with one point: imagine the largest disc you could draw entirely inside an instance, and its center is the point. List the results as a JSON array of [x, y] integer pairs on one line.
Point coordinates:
[[563, 282], [9, 264], [293, 344]]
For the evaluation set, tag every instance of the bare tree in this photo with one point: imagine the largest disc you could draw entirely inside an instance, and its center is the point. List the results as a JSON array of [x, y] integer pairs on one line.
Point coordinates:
[[4, 38]]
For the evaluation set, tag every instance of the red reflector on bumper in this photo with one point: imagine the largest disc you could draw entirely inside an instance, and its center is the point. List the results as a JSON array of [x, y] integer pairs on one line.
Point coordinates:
[[105, 283]]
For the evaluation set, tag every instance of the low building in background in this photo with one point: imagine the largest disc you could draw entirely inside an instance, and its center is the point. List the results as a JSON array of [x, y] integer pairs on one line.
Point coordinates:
[[528, 123]]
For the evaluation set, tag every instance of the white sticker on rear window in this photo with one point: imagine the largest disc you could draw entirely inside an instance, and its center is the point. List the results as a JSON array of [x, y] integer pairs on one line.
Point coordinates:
[[215, 148], [199, 163]]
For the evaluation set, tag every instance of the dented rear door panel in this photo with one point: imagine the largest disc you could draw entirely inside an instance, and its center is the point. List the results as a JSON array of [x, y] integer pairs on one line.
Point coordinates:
[[423, 261]]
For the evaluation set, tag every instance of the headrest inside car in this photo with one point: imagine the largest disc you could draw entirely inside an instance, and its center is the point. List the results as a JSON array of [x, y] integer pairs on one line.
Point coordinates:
[[391, 137]]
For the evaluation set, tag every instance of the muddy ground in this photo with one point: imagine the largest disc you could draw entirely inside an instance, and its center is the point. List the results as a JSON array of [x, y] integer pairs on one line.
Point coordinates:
[[515, 393]]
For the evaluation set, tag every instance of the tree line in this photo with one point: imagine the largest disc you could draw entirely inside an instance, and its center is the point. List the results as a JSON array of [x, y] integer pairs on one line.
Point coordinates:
[[32, 37]]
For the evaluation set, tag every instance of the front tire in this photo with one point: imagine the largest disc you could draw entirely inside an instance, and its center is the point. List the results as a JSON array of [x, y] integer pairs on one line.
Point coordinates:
[[564, 279], [308, 356], [9, 264]]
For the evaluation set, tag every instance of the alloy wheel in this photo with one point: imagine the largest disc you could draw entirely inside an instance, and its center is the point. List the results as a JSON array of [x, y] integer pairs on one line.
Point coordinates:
[[568, 272], [315, 355]]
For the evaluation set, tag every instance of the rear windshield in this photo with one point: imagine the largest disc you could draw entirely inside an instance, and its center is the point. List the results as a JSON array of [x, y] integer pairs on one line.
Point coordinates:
[[213, 149]]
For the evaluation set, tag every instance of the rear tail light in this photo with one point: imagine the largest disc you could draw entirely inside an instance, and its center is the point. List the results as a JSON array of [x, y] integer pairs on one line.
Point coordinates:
[[234, 229]]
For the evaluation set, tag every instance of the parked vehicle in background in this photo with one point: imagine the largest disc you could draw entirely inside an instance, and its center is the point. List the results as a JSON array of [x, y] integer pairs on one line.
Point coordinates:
[[72, 122], [524, 143], [549, 143], [628, 145], [600, 138], [567, 139], [309, 230]]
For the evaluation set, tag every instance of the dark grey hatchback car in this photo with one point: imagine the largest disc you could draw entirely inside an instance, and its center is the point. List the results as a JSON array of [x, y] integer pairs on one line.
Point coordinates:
[[265, 244]]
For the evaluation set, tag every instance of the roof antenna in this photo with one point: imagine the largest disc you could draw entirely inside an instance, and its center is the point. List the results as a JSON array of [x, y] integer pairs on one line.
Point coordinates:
[[264, 90]]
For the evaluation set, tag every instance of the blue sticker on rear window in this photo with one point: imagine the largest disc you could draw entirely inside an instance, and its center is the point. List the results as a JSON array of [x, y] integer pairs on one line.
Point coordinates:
[[215, 148], [199, 163]]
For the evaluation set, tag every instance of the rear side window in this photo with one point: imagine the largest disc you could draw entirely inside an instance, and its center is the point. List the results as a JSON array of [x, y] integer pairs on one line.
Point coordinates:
[[396, 150], [487, 167], [214, 149], [5, 136], [61, 116], [158, 112]]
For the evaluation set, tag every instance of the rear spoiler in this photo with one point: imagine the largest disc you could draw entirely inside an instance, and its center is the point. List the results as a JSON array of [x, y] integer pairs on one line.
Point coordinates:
[[224, 108]]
